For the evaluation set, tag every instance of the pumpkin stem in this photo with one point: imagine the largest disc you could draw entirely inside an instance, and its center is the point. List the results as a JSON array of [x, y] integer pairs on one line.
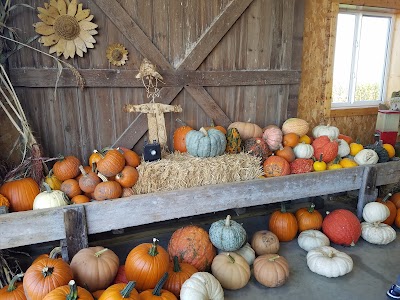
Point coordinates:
[[47, 187], [102, 177], [274, 258], [12, 286], [231, 258], [311, 208], [330, 254], [99, 253], [82, 170], [386, 199], [157, 289], [320, 158], [228, 221], [177, 267], [126, 292], [73, 292], [153, 249], [283, 208], [47, 271], [56, 252], [203, 131]]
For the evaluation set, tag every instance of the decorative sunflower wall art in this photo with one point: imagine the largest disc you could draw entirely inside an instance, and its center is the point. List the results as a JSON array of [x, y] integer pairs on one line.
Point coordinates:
[[117, 54], [66, 28]]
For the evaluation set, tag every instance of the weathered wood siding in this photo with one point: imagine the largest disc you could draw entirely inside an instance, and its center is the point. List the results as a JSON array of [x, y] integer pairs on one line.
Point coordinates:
[[224, 60]]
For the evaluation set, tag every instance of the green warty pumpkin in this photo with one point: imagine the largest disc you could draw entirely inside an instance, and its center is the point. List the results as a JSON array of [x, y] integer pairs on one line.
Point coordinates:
[[233, 141], [205, 143]]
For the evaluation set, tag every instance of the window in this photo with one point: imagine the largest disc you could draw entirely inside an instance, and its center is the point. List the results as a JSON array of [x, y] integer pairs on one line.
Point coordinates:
[[361, 58]]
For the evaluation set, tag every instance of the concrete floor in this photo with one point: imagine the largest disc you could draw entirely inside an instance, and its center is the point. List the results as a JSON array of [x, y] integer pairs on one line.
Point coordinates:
[[375, 267]]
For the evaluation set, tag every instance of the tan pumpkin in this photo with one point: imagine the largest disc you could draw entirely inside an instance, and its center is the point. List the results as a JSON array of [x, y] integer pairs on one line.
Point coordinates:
[[231, 270], [247, 130], [271, 270], [88, 180], [265, 242], [295, 125]]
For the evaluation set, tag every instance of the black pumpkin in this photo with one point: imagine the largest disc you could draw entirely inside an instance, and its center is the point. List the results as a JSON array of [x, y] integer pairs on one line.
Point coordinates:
[[382, 152]]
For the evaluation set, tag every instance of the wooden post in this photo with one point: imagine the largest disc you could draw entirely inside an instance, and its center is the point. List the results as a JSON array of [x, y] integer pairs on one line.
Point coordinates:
[[368, 191], [76, 236]]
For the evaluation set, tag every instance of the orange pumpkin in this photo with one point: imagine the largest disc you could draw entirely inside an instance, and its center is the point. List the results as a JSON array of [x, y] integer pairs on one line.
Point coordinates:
[[396, 199], [283, 224], [45, 275], [192, 245], [63, 293], [323, 145], [145, 264], [158, 292], [276, 166], [391, 206], [78, 199], [131, 157], [112, 163], [218, 127], [96, 295], [121, 291], [107, 189], [178, 273], [287, 153], [342, 227], [308, 218], [13, 291], [20, 193], [71, 188], [179, 139], [66, 167], [4, 201], [88, 181], [127, 177], [94, 157], [291, 139], [347, 138], [87, 169], [397, 219]]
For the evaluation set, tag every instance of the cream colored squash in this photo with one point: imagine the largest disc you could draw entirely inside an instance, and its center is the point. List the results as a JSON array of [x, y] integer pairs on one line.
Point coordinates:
[[295, 125], [331, 131], [247, 253], [366, 157], [344, 148], [375, 212], [329, 262], [311, 239], [50, 198], [202, 286], [378, 233], [303, 150]]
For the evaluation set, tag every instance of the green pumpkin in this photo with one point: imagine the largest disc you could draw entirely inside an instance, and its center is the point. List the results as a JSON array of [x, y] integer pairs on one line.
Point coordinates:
[[233, 141], [227, 235], [382, 152], [205, 143]]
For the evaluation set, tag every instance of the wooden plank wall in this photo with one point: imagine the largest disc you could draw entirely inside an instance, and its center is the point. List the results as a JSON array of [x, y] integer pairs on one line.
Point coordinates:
[[252, 72]]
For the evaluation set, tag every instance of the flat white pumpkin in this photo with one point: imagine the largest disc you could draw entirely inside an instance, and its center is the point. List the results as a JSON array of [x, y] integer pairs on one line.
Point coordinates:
[[330, 131], [329, 262], [202, 286], [303, 150], [378, 233], [366, 157], [344, 148], [311, 239], [50, 198], [375, 212]]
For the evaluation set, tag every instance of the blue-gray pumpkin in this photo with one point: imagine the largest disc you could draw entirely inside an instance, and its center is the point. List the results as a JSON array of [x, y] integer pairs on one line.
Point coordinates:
[[227, 235], [205, 143]]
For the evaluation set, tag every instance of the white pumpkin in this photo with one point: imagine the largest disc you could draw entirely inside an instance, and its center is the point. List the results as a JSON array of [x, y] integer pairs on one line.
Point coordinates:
[[344, 148], [366, 157], [331, 131], [303, 150], [378, 233], [311, 239], [50, 198], [375, 212], [202, 286], [247, 253], [329, 262]]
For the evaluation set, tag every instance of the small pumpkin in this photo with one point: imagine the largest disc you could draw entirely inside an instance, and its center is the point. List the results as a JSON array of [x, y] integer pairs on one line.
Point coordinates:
[[271, 270], [88, 181], [346, 138], [107, 189], [290, 139], [344, 148], [303, 150], [202, 286], [305, 139], [50, 198], [331, 132], [319, 165], [348, 163], [257, 147], [178, 273], [69, 292], [248, 253], [395, 198], [233, 141], [227, 235], [355, 147], [287, 153], [231, 270], [378, 233], [301, 165], [67, 167], [375, 212], [275, 166], [127, 177], [283, 224], [205, 143], [131, 157], [179, 138], [366, 157], [273, 136], [218, 127], [295, 125], [312, 239], [247, 130], [121, 291], [146, 264], [79, 199], [53, 181], [308, 218], [329, 262], [71, 188], [4, 201], [20, 193], [325, 146], [334, 165], [390, 150], [95, 267], [265, 242], [95, 157], [13, 291], [112, 163], [158, 292], [342, 227]]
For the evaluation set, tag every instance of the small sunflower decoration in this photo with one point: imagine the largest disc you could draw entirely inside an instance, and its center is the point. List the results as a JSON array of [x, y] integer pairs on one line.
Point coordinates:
[[117, 54], [66, 28]]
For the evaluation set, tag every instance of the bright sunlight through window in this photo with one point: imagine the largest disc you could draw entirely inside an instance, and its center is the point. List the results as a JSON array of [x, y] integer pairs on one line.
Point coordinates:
[[361, 58]]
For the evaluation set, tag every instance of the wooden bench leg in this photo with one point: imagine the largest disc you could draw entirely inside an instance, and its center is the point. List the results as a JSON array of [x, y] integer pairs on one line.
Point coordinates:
[[368, 191]]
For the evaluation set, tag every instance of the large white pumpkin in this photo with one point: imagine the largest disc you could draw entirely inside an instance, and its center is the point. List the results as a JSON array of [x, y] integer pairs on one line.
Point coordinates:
[[202, 286], [329, 262], [311, 239], [331, 131], [378, 233], [366, 157]]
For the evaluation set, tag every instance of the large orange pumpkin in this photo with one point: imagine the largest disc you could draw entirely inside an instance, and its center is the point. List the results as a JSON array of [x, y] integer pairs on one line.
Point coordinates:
[[179, 139], [66, 167], [192, 245], [323, 145], [145, 264], [276, 166], [308, 218], [62, 293], [391, 206], [121, 291], [112, 163], [178, 273], [20, 193], [342, 227], [13, 291], [283, 224]]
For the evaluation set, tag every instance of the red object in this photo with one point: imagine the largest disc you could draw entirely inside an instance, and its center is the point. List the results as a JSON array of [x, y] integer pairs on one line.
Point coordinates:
[[388, 137], [342, 227], [121, 276]]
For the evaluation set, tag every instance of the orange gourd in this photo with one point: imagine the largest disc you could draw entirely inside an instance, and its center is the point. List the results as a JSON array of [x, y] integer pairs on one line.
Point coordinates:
[[291, 139], [67, 292], [131, 157], [145, 264], [308, 218], [71, 188], [276, 166], [112, 163], [66, 167], [178, 273], [158, 293], [392, 208], [283, 224], [120, 291], [179, 139], [20, 193], [127, 177], [13, 291]]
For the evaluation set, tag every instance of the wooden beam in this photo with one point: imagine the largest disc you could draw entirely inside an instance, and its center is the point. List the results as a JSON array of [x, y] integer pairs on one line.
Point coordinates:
[[29, 77], [395, 4], [130, 29], [351, 112], [368, 191]]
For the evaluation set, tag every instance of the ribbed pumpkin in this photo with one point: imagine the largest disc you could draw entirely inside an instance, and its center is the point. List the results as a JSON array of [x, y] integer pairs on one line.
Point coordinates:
[[145, 264], [326, 130], [88, 181], [20, 193], [301, 165], [179, 139], [308, 218], [265, 242], [247, 130], [107, 189], [291, 139], [271, 270], [392, 208], [158, 293], [227, 235], [192, 245], [295, 125], [275, 166], [283, 224], [257, 147], [287, 153], [131, 157], [4, 201], [121, 291], [127, 177], [303, 150], [66, 167], [323, 145], [273, 136], [205, 143], [342, 227], [13, 291], [112, 163], [178, 273], [233, 141], [67, 292]]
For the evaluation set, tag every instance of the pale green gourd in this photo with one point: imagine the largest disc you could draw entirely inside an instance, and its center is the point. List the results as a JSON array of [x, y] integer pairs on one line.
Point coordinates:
[[205, 143], [227, 235]]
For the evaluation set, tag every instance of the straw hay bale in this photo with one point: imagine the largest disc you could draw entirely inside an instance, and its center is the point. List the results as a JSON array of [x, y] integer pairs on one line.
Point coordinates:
[[181, 170]]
